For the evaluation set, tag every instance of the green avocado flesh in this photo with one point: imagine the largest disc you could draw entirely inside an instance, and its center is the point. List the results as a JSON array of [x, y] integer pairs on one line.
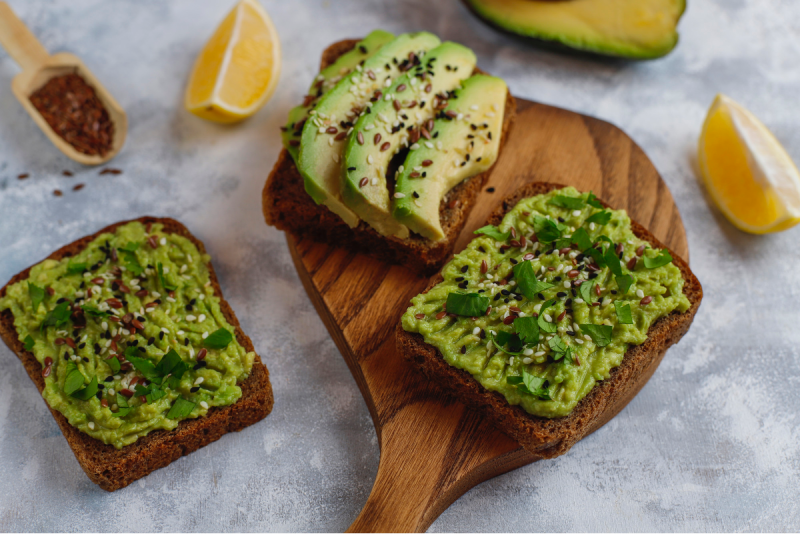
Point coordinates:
[[637, 29], [98, 362], [322, 146], [386, 128], [548, 337], [326, 80], [466, 143]]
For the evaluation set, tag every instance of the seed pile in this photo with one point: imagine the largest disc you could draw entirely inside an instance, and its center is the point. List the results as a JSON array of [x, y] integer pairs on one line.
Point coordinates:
[[72, 109]]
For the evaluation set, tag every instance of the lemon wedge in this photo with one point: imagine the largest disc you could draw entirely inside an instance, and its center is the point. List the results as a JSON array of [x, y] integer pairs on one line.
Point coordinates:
[[747, 172], [239, 67]]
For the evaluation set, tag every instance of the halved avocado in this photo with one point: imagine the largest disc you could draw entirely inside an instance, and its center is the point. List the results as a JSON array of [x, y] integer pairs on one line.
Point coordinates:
[[325, 81], [467, 143], [322, 140], [395, 121], [635, 29]]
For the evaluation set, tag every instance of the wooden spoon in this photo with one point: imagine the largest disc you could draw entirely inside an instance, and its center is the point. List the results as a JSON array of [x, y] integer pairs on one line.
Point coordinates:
[[38, 67]]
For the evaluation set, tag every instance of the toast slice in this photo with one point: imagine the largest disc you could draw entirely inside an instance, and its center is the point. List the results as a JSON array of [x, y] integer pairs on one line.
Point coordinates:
[[548, 438], [112, 468], [288, 207]]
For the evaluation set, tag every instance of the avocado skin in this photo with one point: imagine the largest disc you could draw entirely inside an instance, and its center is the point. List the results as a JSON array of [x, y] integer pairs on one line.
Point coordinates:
[[572, 45]]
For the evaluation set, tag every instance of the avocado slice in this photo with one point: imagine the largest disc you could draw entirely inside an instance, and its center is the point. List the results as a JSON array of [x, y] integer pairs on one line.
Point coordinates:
[[327, 79], [467, 142], [636, 29], [395, 121], [321, 143]]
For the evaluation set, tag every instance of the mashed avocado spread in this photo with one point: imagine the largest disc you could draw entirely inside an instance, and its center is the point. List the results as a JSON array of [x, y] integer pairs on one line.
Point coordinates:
[[129, 333], [545, 306]]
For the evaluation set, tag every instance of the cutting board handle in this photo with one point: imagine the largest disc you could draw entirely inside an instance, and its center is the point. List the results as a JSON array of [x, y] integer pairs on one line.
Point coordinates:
[[19, 42]]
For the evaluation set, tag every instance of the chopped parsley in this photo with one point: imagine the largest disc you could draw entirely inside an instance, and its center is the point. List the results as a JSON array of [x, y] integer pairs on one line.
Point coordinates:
[[573, 203], [465, 304], [180, 409], [601, 218], [221, 338], [659, 261], [37, 295], [623, 310], [530, 384], [493, 232], [600, 333], [527, 282]]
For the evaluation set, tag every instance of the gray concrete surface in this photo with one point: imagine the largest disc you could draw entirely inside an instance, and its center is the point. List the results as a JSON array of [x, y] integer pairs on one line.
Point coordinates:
[[710, 444]]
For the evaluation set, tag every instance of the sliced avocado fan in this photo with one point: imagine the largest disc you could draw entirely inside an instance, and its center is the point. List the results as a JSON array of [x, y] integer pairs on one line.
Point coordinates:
[[323, 136], [636, 29], [396, 121], [467, 143], [326, 80]]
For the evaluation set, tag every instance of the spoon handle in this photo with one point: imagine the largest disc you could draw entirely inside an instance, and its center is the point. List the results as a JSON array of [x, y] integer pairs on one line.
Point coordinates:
[[18, 40]]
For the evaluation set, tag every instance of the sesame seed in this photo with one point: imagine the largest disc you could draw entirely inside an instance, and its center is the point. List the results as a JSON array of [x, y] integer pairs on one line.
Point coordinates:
[[205, 335], [204, 405], [399, 195], [163, 241], [201, 318], [476, 330], [640, 293], [527, 352], [374, 181], [198, 381], [165, 330], [190, 318], [91, 425], [540, 353]]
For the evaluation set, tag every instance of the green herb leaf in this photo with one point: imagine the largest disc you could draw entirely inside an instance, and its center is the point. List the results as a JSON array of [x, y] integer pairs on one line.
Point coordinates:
[[527, 329], [600, 333], [502, 338], [527, 282], [74, 378], [544, 326], [586, 290], [180, 409], [28, 343], [582, 239], [174, 381], [624, 282], [131, 262], [88, 392], [114, 364], [546, 230], [151, 393], [592, 201], [75, 268], [597, 255], [493, 232], [511, 340], [659, 261], [142, 365], [124, 409], [530, 384], [58, 316], [91, 311], [562, 201], [612, 260], [131, 246], [37, 295], [164, 283], [601, 218], [167, 363], [623, 312], [557, 345], [465, 304]]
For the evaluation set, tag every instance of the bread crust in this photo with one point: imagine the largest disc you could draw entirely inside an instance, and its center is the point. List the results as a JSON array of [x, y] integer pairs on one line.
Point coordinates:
[[288, 207], [548, 438], [112, 468]]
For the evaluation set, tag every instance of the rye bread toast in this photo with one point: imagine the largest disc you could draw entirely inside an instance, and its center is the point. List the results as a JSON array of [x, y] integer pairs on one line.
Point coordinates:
[[548, 438], [112, 468], [288, 207]]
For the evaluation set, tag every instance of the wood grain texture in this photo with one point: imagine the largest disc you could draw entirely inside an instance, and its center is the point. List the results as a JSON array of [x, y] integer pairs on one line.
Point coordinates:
[[433, 449]]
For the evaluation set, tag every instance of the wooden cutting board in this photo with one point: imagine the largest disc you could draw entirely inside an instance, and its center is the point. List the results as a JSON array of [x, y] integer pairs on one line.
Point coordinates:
[[434, 449]]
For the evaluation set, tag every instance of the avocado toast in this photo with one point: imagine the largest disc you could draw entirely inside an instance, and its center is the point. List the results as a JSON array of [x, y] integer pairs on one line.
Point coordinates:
[[377, 213], [541, 377], [136, 430]]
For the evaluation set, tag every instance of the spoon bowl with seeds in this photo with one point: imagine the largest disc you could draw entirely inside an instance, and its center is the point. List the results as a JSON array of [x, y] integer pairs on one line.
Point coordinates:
[[62, 96]]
